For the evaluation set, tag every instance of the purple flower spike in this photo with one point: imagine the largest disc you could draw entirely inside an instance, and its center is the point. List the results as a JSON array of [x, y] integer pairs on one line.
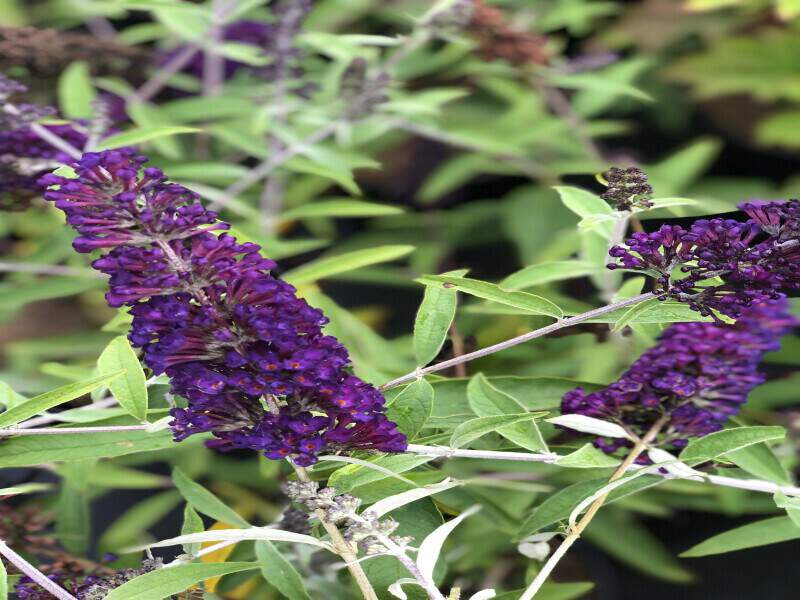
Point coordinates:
[[246, 353], [755, 260], [699, 375]]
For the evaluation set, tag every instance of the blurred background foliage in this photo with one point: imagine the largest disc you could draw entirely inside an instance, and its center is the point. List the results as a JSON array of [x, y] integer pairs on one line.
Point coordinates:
[[450, 164]]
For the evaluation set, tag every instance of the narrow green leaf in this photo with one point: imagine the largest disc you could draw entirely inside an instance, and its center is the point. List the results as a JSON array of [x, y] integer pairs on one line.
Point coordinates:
[[279, 572], [541, 274], [412, 408], [192, 523], [721, 442], [489, 291], [752, 535], [30, 450], [72, 509], [632, 313], [559, 505], [554, 591], [474, 428], [75, 91], [129, 389], [486, 401], [140, 135], [26, 488], [583, 203], [351, 476], [162, 583], [204, 501], [790, 504], [340, 208], [587, 457], [334, 265], [433, 320], [759, 460], [48, 400]]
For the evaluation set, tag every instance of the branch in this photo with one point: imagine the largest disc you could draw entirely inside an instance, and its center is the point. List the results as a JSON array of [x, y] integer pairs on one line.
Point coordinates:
[[561, 324], [34, 573], [575, 531]]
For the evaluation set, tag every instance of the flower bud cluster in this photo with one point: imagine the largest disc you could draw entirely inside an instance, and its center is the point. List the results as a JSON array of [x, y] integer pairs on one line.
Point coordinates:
[[247, 354], [627, 188], [367, 530]]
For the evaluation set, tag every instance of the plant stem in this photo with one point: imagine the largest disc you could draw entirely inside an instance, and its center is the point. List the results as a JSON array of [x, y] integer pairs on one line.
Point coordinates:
[[47, 135], [560, 324], [12, 431], [34, 573], [446, 452], [154, 85], [342, 546], [639, 447]]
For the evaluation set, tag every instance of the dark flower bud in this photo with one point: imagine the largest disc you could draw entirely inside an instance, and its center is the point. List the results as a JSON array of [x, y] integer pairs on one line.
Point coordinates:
[[627, 188]]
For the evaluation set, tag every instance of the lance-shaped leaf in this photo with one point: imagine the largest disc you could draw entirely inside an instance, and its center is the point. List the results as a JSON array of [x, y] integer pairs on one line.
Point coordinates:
[[412, 408], [240, 535], [752, 535], [474, 428], [163, 583], [387, 505], [279, 572], [204, 501], [46, 401], [541, 274], [129, 389], [431, 546], [591, 425], [140, 135], [721, 442], [342, 263], [489, 291], [433, 321], [486, 401]]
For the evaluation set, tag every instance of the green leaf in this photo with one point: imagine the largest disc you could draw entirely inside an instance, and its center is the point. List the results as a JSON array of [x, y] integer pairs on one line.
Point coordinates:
[[30, 450], [721, 442], [75, 91], [559, 505], [72, 509], [147, 115], [541, 274], [17, 295], [598, 83], [486, 401], [632, 313], [587, 457], [162, 583], [790, 504], [752, 535], [279, 572], [412, 408], [140, 135], [340, 207], [206, 502], [129, 389], [474, 428], [334, 265], [26, 488], [351, 476], [192, 523], [588, 206], [48, 400], [489, 291], [759, 460], [617, 533], [434, 317]]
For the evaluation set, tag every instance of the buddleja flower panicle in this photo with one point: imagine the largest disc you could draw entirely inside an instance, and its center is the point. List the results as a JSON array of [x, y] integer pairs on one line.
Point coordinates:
[[721, 265], [208, 312], [698, 375]]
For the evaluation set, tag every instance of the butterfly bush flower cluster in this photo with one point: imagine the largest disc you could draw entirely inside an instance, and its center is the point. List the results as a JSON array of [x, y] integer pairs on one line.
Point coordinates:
[[698, 375], [246, 353], [725, 265]]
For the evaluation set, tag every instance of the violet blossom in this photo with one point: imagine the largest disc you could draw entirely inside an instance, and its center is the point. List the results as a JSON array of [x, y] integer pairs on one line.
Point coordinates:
[[724, 265], [698, 375], [246, 353]]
